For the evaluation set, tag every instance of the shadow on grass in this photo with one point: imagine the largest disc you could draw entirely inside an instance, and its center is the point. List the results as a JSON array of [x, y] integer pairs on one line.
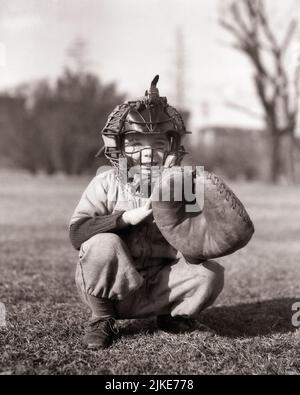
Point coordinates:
[[249, 319]]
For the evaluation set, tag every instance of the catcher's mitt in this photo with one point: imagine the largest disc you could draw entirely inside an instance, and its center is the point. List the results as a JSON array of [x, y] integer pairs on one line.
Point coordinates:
[[220, 227]]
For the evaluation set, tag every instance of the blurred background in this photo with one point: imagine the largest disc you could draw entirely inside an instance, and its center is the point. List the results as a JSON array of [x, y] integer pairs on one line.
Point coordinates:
[[230, 67]]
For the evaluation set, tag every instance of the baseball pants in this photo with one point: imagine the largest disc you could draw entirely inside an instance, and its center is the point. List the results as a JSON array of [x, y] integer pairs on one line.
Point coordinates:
[[169, 286]]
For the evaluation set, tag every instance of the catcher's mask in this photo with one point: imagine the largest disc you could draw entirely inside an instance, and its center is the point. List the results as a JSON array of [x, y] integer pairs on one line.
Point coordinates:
[[149, 115]]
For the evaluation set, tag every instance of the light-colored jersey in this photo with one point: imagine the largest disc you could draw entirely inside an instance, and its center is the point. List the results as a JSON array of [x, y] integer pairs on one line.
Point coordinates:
[[105, 195]]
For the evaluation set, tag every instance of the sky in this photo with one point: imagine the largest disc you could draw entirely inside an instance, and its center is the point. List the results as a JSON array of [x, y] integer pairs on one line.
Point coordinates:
[[129, 42]]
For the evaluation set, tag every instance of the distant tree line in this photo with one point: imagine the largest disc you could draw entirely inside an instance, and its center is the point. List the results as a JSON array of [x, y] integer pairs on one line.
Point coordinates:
[[56, 128]]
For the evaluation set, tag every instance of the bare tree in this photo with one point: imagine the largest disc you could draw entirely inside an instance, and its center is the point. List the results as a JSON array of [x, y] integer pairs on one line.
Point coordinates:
[[277, 86]]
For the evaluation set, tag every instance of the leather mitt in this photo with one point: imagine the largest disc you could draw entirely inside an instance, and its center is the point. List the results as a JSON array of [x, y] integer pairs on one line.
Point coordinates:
[[220, 225]]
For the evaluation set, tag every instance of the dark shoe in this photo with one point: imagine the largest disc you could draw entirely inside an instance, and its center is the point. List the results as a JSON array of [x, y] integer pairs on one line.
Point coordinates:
[[100, 333], [179, 324]]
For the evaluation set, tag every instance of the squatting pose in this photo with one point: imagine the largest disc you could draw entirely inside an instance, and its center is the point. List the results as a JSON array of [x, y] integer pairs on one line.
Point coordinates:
[[139, 257]]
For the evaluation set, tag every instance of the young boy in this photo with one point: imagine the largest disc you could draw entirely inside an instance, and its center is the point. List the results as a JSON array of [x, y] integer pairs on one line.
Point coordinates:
[[126, 267]]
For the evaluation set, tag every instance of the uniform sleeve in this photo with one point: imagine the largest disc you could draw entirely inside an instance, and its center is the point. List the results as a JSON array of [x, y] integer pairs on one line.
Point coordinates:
[[91, 215], [93, 201], [86, 227]]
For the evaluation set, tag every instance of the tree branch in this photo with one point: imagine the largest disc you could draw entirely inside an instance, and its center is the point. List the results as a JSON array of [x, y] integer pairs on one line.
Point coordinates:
[[291, 30], [237, 17], [264, 23], [233, 30], [248, 38]]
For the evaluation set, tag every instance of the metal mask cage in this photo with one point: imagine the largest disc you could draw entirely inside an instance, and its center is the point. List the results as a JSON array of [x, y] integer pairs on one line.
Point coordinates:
[[150, 114]]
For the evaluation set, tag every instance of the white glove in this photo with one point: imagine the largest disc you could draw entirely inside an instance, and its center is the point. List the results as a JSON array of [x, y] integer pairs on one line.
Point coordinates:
[[137, 215]]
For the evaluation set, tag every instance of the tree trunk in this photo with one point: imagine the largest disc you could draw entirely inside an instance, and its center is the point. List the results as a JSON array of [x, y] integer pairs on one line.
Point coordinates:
[[290, 158], [275, 168]]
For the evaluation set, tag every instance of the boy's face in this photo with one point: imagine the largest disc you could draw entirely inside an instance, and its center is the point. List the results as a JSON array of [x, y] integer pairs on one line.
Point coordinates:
[[138, 147]]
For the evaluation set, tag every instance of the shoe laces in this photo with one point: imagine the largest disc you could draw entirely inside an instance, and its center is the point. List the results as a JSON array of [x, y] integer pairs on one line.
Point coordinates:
[[106, 325]]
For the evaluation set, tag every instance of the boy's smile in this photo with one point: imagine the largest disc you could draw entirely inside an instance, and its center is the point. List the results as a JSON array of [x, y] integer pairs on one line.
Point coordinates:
[[146, 150]]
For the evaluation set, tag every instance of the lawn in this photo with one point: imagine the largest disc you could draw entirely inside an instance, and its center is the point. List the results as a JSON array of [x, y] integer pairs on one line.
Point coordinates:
[[251, 329]]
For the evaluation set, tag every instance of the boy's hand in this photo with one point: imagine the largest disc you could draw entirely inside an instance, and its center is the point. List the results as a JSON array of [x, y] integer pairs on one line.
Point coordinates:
[[137, 215]]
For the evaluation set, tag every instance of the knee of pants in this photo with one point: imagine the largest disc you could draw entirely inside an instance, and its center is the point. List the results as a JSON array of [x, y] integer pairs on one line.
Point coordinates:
[[207, 283], [105, 267], [101, 248]]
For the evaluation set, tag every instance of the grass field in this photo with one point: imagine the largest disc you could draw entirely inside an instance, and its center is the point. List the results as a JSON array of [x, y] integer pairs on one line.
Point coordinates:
[[251, 320]]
